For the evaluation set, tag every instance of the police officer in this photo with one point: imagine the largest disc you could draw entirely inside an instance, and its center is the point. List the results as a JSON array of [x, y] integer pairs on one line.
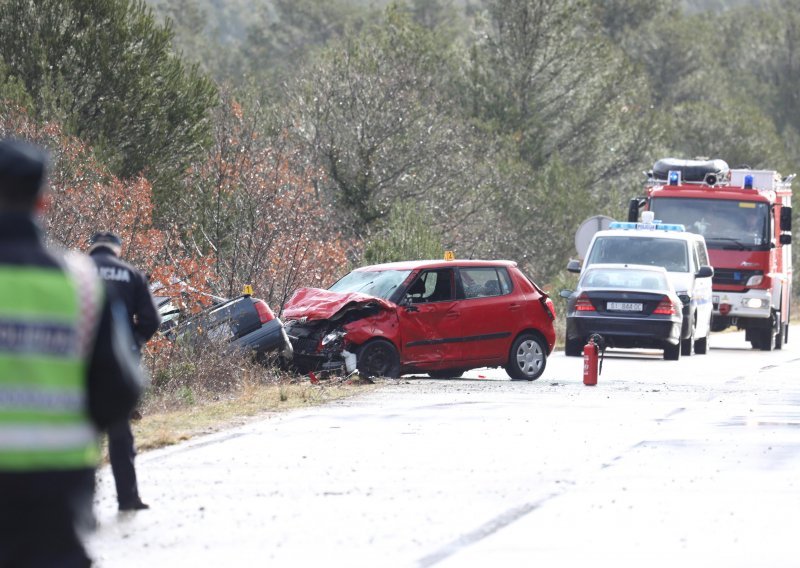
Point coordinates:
[[64, 374], [130, 286]]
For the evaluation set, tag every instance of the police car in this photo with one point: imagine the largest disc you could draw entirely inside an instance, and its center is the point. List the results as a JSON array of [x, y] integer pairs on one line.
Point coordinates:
[[684, 256]]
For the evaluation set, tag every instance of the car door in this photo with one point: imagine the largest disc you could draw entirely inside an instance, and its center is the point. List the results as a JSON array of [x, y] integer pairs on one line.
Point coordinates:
[[430, 325], [703, 292], [489, 312]]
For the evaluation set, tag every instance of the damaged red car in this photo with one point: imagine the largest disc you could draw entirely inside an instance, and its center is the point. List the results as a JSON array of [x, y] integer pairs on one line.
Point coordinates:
[[436, 317]]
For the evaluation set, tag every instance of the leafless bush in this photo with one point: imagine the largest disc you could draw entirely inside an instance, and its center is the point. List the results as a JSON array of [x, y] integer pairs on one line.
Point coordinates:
[[183, 373]]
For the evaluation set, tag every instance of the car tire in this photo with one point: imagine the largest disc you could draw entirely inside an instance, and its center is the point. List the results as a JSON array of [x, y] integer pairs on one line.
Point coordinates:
[[378, 358], [573, 347], [527, 358], [672, 352], [687, 345], [701, 345], [446, 373]]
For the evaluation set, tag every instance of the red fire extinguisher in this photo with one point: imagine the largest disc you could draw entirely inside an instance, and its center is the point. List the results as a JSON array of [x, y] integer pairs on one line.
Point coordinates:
[[591, 360], [590, 363]]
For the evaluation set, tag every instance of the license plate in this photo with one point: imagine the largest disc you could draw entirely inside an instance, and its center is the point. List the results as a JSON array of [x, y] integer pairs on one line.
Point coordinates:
[[624, 306]]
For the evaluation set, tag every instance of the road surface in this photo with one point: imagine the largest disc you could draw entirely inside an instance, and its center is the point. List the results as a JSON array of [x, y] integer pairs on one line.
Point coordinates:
[[689, 463]]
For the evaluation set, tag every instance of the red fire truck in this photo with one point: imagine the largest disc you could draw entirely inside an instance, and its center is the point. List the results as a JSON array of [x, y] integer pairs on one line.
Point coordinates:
[[746, 218]]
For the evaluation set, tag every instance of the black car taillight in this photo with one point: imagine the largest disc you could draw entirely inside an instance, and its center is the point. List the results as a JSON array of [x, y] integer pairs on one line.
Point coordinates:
[[584, 304], [666, 307], [264, 313]]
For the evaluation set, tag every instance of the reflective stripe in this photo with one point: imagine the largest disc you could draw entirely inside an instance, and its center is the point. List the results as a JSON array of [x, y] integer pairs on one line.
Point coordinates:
[[24, 399], [38, 338], [33, 437]]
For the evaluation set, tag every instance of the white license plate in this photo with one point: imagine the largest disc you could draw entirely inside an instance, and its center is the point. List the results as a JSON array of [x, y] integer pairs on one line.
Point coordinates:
[[624, 306]]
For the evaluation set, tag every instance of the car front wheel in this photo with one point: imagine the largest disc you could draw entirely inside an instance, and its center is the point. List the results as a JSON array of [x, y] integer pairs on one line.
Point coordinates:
[[378, 358], [528, 358]]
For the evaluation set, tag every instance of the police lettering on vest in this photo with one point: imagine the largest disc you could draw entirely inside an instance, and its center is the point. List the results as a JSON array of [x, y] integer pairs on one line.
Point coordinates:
[[114, 274]]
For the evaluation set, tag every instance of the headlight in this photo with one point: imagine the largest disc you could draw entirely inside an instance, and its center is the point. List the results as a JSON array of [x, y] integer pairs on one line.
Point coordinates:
[[332, 336], [753, 303], [755, 280]]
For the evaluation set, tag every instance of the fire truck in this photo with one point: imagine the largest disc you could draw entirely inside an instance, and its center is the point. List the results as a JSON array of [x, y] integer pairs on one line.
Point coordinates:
[[745, 216]]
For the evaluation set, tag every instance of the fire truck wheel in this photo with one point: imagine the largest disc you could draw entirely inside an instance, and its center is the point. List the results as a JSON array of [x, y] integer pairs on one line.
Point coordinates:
[[781, 332], [672, 352]]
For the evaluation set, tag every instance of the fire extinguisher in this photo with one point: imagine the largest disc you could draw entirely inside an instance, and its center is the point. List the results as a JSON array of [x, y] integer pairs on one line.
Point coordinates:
[[592, 359]]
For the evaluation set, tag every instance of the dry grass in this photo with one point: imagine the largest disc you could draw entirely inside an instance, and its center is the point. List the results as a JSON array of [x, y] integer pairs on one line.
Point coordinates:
[[198, 389], [159, 429]]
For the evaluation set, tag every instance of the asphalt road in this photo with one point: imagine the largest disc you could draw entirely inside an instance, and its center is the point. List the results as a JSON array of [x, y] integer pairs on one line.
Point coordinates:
[[690, 463]]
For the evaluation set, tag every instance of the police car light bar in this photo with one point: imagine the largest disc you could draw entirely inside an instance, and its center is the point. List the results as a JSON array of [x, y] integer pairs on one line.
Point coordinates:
[[654, 226]]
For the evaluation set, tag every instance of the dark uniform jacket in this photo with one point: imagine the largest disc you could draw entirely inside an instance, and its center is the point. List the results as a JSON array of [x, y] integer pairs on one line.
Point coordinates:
[[114, 381], [130, 286]]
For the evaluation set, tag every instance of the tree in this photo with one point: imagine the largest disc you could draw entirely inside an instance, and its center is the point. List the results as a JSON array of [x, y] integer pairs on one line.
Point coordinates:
[[105, 70], [252, 204], [86, 197], [373, 114]]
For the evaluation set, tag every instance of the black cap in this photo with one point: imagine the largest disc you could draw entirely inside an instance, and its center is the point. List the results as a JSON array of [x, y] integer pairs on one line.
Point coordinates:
[[105, 237], [22, 172]]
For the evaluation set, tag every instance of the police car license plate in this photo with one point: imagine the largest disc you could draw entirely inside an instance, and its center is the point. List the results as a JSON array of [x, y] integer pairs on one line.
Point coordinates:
[[624, 306]]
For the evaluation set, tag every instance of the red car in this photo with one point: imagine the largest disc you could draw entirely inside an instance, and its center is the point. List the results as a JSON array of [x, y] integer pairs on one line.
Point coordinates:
[[437, 317]]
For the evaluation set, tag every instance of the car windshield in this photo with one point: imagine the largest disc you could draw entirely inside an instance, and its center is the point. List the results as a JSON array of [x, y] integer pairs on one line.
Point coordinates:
[[670, 253], [725, 223], [624, 279], [378, 283]]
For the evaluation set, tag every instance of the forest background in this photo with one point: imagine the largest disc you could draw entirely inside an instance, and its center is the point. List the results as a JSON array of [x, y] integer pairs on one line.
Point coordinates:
[[280, 143]]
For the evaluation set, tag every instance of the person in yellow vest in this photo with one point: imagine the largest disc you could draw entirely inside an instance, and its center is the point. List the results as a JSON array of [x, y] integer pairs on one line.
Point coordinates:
[[66, 373]]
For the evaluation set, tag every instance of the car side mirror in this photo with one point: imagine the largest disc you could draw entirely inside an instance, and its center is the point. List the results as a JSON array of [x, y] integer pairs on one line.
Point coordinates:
[[705, 271], [574, 266], [786, 239], [565, 293]]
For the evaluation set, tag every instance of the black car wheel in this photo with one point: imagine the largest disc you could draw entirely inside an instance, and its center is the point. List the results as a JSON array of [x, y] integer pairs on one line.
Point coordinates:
[[378, 358], [446, 373], [528, 358], [573, 347], [672, 352]]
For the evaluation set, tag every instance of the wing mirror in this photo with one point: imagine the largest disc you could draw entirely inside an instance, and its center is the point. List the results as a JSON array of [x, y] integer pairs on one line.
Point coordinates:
[[705, 271], [565, 293], [574, 266]]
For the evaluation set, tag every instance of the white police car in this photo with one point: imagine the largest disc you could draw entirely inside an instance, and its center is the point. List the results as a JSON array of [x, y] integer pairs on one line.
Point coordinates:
[[682, 254]]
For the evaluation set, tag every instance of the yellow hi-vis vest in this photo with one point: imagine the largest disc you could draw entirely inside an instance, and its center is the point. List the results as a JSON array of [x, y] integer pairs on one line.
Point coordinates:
[[48, 322]]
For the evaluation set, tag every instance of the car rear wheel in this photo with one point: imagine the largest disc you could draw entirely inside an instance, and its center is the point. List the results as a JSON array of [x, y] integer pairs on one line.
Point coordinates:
[[528, 358], [446, 373], [672, 352], [573, 348], [378, 358]]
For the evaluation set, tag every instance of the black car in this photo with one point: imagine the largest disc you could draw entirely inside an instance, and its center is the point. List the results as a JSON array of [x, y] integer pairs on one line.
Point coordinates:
[[247, 323], [630, 306]]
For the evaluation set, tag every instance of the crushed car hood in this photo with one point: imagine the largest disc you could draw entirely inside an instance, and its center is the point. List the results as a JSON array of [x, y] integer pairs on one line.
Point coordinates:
[[317, 304]]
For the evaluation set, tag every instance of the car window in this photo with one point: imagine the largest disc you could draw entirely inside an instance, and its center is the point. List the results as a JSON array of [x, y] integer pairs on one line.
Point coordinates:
[[485, 282], [378, 283], [505, 281], [702, 254], [672, 254], [629, 278], [432, 286]]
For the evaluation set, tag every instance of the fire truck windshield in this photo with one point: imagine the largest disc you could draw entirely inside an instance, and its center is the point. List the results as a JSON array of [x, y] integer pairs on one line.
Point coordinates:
[[725, 223]]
